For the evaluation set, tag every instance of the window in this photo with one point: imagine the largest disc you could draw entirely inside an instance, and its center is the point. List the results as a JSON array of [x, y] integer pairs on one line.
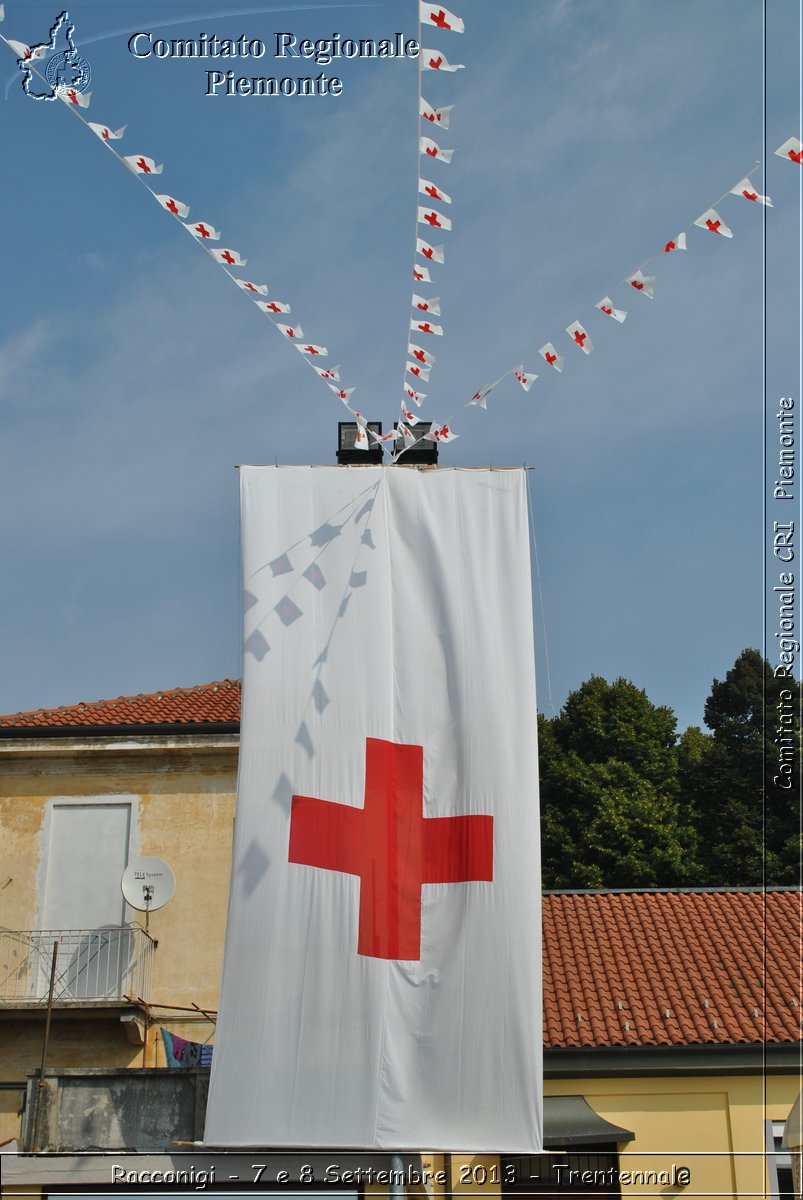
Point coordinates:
[[779, 1163]]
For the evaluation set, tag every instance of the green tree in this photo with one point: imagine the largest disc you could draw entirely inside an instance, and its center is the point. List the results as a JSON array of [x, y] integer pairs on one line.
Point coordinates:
[[747, 804], [611, 815]]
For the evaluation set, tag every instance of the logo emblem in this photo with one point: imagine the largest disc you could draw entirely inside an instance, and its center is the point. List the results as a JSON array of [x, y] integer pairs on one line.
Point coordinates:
[[66, 68]]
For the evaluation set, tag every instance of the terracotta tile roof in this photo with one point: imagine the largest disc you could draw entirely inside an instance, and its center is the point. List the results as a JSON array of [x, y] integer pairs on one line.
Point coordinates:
[[209, 703], [657, 968]]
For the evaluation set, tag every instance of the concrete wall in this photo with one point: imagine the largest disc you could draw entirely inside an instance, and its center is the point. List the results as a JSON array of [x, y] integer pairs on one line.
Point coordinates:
[[134, 1110]]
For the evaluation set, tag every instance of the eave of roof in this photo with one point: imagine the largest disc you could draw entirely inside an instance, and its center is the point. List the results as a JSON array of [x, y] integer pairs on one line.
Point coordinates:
[[207, 708]]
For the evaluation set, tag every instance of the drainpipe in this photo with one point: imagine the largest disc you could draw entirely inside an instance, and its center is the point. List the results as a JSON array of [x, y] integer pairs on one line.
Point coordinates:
[[396, 1177], [40, 1087]]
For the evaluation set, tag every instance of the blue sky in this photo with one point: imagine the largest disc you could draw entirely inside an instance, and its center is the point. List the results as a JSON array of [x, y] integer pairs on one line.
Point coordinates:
[[134, 376]]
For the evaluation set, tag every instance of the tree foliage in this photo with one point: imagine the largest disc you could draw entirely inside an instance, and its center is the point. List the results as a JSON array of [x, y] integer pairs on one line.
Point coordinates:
[[748, 802], [628, 803], [611, 816]]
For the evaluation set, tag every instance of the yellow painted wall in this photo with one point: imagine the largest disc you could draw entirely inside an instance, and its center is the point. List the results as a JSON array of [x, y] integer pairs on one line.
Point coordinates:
[[712, 1125]]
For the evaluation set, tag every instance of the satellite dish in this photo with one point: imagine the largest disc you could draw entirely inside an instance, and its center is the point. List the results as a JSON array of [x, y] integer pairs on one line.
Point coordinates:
[[147, 884]]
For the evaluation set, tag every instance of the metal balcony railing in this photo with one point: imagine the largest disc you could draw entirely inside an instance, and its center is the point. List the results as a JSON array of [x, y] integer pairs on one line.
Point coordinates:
[[91, 964]]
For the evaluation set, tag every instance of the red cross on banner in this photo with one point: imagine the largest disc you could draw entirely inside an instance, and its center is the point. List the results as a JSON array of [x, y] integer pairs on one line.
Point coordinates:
[[392, 847]]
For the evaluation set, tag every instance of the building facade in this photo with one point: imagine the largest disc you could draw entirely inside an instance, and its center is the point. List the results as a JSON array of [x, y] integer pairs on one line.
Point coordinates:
[[671, 1018]]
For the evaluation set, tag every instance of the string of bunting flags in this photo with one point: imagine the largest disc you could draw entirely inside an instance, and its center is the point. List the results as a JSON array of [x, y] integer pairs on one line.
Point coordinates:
[[203, 232], [430, 219], [709, 221]]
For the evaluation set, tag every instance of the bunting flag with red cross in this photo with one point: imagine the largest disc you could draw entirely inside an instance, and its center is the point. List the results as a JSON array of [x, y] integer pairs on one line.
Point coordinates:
[[327, 372], [431, 253], [431, 149], [416, 397], [580, 337], [420, 355], [433, 60], [24, 52], [678, 242], [792, 150], [437, 116], [341, 393], [140, 164], [745, 188], [272, 306], [712, 221], [408, 437], [606, 306], [423, 304], [203, 231], [104, 133], [441, 18], [440, 433], [71, 95], [481, 394], [417, 326], [550, 355], [256, 289], [435, 193], [433, 219], [176, 207], [385, 895], [230, 258], [643, 283], [418, 371], [525, 378]]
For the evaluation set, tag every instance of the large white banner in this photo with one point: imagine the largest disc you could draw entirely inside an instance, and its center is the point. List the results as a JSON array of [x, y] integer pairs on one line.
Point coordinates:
[[382, 974]]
